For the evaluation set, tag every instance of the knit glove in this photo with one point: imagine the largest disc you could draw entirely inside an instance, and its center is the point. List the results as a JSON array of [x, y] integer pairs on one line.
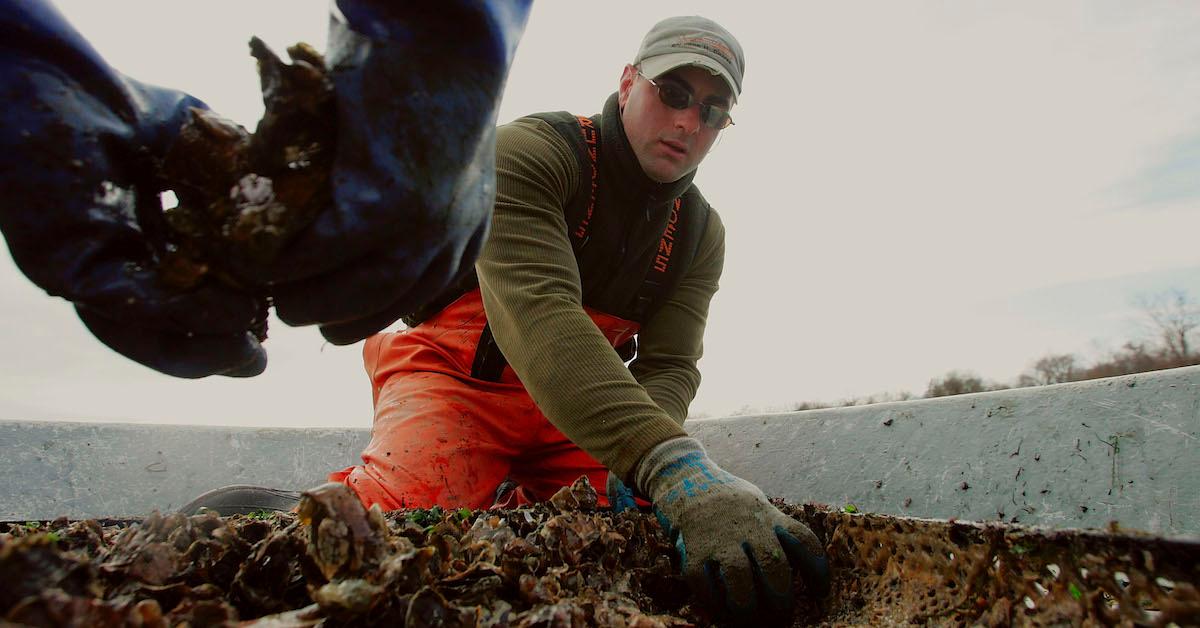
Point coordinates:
[[735, 546]]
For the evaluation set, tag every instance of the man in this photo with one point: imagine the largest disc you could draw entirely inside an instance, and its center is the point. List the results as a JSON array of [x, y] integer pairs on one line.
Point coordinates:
[[416, 93], [598, 237]]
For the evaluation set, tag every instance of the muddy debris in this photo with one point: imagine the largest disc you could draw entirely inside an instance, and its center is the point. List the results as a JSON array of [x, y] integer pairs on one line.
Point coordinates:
[[334, 563], [562, 563]]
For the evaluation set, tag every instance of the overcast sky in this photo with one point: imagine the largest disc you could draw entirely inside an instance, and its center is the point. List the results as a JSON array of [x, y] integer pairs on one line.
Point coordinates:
[[910, 188]]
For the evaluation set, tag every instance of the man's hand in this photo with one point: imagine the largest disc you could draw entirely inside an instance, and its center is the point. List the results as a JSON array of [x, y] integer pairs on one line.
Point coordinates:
[[738, 551], [80, 208], [417, 91]]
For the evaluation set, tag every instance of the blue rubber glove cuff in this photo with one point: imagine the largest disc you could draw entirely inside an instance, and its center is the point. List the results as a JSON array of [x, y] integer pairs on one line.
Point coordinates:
[[620, 496]]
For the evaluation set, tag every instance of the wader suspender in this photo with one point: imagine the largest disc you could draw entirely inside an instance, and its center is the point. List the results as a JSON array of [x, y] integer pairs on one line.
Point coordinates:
[[662, 276], [489, 360], [578, 212]]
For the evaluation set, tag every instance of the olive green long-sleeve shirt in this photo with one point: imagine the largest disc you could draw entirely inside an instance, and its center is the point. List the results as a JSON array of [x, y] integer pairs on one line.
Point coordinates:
[[531, 292]]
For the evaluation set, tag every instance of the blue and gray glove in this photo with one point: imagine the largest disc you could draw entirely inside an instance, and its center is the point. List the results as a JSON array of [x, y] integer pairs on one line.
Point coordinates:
[[738, 551], [417, 91]]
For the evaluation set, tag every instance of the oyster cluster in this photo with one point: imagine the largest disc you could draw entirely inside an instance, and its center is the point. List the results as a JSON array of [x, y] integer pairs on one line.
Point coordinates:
[[565, 563], [334, 563], [242, 196]]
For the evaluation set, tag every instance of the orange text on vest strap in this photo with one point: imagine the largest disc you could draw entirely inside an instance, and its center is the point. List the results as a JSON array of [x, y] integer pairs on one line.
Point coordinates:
[[663, 259], [588, 130]]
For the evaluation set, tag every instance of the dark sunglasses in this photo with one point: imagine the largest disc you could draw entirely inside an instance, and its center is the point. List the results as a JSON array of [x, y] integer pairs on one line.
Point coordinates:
[[676, 97]]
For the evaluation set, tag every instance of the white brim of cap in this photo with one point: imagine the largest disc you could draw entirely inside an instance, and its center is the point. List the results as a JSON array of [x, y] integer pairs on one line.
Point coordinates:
[[655, 67]]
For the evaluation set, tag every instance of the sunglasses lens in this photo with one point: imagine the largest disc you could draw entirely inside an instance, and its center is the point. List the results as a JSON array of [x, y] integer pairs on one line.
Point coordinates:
[[677, 97], [674, 96], [714, 118]]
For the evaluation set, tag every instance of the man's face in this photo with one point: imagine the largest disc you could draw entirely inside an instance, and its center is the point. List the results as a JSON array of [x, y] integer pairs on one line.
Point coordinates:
[[670, 143]]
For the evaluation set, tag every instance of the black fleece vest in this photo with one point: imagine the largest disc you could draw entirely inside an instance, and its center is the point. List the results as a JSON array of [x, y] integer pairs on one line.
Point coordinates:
[[634, 239]]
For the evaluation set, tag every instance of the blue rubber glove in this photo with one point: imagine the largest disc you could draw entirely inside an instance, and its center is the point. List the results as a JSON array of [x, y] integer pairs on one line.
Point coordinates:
[[417, 92], [738, 552], [81, 210], [620, 496], [417, 89]]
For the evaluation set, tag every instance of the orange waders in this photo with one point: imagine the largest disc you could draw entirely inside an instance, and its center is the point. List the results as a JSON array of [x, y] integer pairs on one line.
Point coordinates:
[[443, 437]]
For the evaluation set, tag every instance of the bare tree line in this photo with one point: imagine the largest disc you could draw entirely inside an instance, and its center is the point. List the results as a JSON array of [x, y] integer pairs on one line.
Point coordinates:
[[1171, 320]]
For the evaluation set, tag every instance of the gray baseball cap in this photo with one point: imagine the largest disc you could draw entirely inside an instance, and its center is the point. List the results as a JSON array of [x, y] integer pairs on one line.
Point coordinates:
[[692, 40]]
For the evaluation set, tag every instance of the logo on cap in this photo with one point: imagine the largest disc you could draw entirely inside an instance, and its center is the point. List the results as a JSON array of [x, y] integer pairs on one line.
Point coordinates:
[[710, 44]]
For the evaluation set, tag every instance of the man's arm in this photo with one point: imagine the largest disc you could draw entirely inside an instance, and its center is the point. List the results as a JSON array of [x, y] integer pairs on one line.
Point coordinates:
[[672, 341], [531, 291], [739, 548]]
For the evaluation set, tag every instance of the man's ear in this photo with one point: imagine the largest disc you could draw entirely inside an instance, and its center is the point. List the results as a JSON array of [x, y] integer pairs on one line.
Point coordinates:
[[628, 76]]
